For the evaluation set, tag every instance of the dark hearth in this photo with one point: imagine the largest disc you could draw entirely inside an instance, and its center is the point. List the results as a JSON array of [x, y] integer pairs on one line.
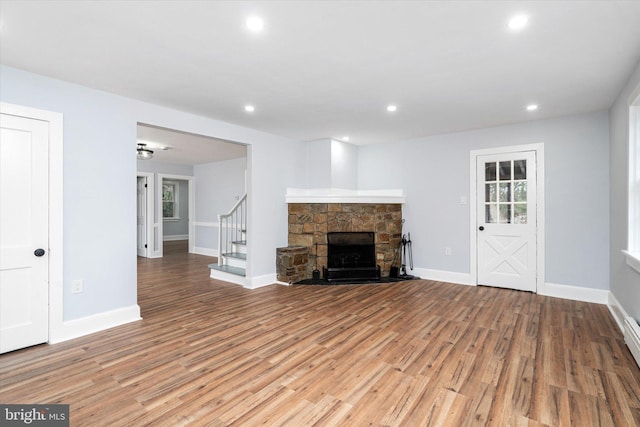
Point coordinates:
[[351, 256]]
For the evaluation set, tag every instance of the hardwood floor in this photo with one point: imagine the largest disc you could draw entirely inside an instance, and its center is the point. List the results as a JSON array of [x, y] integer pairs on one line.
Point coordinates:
[[174, 247], [416, 353]]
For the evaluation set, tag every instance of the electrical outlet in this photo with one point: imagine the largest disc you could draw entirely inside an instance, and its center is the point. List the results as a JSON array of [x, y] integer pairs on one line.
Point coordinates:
[[447, 251], [463, 200], [77, 286]]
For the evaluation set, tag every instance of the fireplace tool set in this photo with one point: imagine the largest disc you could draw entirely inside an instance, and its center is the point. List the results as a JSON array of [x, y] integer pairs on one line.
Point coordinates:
[[406, 251]]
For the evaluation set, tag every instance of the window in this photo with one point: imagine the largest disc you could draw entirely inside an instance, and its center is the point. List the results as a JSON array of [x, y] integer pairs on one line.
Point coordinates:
[[506, 192], [170, 200], [633, 252]]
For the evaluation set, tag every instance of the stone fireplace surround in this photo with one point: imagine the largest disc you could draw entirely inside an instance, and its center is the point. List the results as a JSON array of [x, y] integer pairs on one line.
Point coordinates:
[[312, 214]]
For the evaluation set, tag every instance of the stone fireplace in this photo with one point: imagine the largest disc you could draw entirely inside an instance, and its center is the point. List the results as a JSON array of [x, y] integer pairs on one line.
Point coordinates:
[[313, 215]]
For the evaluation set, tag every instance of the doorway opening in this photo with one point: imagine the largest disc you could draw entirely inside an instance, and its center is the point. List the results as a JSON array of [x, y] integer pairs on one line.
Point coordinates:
[[177, 160]]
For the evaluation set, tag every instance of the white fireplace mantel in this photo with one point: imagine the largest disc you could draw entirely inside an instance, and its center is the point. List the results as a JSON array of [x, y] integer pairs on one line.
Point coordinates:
[[340, 195]]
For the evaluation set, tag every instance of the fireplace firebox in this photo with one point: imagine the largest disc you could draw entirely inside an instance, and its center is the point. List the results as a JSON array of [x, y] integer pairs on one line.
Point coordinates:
[[351, 256]]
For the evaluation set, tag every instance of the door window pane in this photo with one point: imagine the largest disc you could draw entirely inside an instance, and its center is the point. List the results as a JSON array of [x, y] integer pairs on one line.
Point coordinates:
[[520, 213], [505, 214], [490, 171], [491, 213], [505, 191], [520, 191], [520, 169], [505, 171], [490, 193]]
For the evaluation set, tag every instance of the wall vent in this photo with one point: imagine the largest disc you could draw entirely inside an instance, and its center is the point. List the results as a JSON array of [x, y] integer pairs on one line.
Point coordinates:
[[632, 337]]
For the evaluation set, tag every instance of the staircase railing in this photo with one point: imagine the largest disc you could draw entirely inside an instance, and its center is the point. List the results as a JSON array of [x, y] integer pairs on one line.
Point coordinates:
[[232, 227]]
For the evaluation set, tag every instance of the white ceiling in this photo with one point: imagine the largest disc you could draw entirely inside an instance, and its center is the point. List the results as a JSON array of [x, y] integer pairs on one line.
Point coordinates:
[[186, 148], [329, 69]]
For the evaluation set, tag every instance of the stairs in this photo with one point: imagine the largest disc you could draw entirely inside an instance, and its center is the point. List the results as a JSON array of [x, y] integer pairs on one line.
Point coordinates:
[[234, 262], [232, 245]]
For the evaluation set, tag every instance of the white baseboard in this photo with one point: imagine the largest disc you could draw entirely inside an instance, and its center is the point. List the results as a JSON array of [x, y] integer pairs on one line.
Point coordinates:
[[260, 281], [175, 237], [627, 325], [576, 293], [617, 311], [205, 251], [95, 323], [632, 337], [442, 276], [277, 282]]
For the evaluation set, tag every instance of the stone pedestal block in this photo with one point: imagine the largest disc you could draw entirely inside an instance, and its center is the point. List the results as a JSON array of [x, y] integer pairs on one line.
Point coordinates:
[[292, 263]]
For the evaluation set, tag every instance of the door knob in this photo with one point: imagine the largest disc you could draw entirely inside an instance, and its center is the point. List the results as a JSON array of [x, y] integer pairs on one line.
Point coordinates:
[[39, 252], [481, 228]]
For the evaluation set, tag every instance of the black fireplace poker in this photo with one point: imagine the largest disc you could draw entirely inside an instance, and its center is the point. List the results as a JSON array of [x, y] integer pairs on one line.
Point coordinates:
[[316, 272]]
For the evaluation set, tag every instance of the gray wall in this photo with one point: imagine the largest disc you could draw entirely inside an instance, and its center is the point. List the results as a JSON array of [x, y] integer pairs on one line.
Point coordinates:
[[344, 165], [625, 282], [434, 173], [219, 185], [318, 162], [331, 164]]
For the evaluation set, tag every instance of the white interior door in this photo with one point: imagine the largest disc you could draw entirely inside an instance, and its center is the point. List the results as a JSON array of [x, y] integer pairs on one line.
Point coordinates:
[[142, 216], [506, 220], [24, 234]]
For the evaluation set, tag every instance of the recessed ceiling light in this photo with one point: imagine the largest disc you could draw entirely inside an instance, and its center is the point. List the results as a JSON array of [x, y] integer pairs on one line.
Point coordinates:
[[518, 22], [391, 108], [532, 107], [249, 108], [255, 23]]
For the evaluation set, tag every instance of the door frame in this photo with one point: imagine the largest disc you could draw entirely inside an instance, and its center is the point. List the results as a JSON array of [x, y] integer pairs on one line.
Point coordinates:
[[149, 221], [538, 148], [192, 206], [55, 254]]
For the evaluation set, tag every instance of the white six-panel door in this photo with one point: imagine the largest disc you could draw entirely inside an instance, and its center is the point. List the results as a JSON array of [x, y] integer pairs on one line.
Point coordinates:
[[506, 220], [24, 245]]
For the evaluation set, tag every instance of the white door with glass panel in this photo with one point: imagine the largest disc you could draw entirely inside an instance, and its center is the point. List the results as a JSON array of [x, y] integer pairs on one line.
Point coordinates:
[[506, 222], [24, 233]]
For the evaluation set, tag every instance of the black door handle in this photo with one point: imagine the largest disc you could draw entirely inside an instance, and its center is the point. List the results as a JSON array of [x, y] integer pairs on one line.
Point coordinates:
[[481, 228], [39, 252]]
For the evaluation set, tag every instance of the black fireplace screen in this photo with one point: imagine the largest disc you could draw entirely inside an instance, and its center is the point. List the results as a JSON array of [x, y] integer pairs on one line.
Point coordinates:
[[351, 255]]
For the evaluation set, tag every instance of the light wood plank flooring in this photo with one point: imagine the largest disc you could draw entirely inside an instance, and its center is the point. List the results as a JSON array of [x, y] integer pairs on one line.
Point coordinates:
[[417, 353]]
